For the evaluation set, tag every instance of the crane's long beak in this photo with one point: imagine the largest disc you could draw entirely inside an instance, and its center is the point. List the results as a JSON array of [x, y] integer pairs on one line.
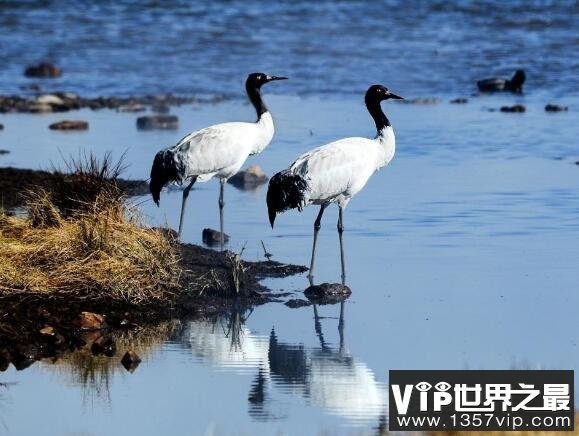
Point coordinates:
[[272, 78], [397, 97]]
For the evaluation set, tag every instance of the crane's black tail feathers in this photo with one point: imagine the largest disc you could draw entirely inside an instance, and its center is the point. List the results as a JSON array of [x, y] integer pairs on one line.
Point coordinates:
[[165, 169], [285, 191]]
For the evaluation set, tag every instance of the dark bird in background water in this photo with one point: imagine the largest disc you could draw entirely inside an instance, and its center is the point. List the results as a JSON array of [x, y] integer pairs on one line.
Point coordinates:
[[216, 151], [335, 172], [496, 85]]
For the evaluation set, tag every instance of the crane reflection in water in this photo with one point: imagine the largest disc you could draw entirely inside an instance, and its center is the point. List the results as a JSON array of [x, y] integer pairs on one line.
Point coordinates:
[[325, 376]]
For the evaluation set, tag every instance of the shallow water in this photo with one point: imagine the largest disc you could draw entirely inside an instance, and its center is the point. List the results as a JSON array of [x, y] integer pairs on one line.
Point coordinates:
[[136, 47], [460, 254]]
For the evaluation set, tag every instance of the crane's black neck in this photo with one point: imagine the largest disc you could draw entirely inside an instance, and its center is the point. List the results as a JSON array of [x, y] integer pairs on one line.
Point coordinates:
[[373, 105], [254, 94]]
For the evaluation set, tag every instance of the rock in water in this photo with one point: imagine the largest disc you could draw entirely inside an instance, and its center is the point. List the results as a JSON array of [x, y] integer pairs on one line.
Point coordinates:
[[43, 69], [154, 122], [249, 178], [130, 361], [459, 100], [90, 321], [516, 108], [69, 125], [555, 108], [327, 293], [212, 237], [1, 126]]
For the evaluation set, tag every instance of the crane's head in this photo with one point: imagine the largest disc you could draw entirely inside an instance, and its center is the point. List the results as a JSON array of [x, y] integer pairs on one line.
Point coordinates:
[[380, 93], [163, 171], [255, 80]]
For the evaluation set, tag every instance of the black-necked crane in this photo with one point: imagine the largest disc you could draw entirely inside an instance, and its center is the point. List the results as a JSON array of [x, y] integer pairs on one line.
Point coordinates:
[[335, 172], [216, 151]]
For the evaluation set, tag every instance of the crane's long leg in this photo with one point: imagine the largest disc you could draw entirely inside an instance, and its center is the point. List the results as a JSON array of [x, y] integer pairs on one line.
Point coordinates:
[[340, 232], [221, 205], [317, 226], [184, 202], [341, 327]]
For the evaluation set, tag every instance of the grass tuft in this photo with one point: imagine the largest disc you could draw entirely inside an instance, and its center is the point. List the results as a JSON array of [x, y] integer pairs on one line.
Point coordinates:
[[83, 240]]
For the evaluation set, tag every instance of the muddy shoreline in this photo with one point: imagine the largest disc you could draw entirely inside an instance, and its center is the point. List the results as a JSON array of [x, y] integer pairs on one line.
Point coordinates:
[[35, 327]]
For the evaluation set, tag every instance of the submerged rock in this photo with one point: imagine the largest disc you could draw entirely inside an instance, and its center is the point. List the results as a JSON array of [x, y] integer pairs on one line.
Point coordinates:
[[69, 125], [459, 100], [1, 126], [154, 122], [44, 69], [4, 152], [555, 108], [90, 321], [249, 178], [519, 108], [130, 361], [327, 293], [212, 237]]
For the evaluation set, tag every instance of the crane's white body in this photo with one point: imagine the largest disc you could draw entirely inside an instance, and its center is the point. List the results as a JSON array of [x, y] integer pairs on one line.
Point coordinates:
[[337, 171], [222, 149]]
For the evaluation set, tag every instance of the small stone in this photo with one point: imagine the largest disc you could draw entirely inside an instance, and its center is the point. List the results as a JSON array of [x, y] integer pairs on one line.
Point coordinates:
[[153, 122], [518, 108], [131, 108], [1, 126], [90, 321], [47, 331], [249, 178], [4, 152], [212, 237], [296, 304], [49, 99], [459, 100], [327, 293], [69, 125], [130, 361], [43, 69], [556, 108]]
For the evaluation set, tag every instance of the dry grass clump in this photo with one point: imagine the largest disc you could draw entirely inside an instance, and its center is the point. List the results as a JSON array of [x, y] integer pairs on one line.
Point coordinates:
[[85, 244]]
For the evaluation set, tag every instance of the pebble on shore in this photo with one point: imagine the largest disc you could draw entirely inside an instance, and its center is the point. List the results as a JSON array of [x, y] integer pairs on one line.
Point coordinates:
[[69, 125]]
